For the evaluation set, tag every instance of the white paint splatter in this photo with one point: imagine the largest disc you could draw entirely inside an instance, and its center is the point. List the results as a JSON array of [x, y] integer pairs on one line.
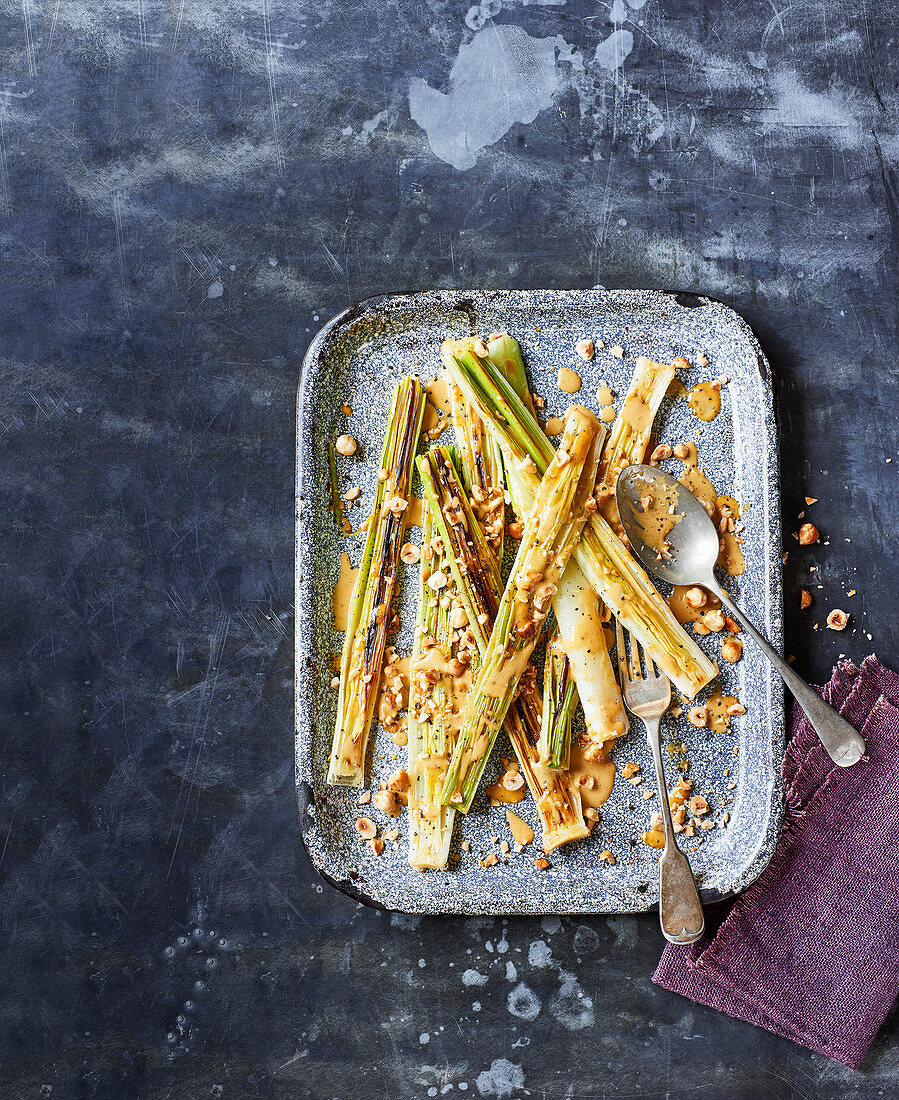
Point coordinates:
[[586, 940], [371, 124], [798, 107], [501, 77], [523, 1002], [502, 946], [474, 977], [540, 954], [613, 52], [511, 972], [216, 289], [618, 14], [501, 1080], [572, 1007], [551, 925], [424, 1038]]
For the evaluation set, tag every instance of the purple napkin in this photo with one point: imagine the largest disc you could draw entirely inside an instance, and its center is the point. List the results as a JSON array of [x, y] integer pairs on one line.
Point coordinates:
[[811, 950]]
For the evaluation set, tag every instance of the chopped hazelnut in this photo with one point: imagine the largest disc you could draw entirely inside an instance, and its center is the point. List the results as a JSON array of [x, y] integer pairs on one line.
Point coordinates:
[[680, 363], [396, 504], [437, 580], [629, 769], [808, 533], [698, 806], [661, 452], [347, 410], [365, 827], [607, 857], [805, 599], [695, 597], [410, 553], [351, 494], [515, 529], [480, 349], [736, 708], [364, 797], [714, 620], [584, 349], [837, 619], [399, 781], [679, 816], [698, 716], [345, 445], [541, 864], [335, 681], [490, 861], [733, 626], [701, 629], [682, 451], [731, 650], [386, 802], [811, 500], [513, 781], [617, 351], [376, 845]]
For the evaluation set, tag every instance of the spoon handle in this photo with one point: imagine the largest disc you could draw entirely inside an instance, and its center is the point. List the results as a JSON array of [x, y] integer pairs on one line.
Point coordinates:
[[843, 744]]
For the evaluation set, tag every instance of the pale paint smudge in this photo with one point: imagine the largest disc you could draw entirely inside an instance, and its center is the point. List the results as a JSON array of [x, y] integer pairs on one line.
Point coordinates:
[[501, 1080]]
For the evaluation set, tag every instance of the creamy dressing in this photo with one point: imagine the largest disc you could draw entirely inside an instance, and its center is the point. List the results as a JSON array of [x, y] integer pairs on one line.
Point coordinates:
[[637, 413], [554, 426], [682, 611], [705, 401], [731, 556], [716, 705], [520, 830], [604, 396], [569, 380], [342, 595], [658, 516], [593, 778]]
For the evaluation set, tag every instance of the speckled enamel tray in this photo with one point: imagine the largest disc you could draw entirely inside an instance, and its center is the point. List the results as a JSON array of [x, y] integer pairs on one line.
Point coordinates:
[[356, 358]]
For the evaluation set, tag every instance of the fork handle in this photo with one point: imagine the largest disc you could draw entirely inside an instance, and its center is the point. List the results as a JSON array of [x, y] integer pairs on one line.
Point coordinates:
[[680, 910]]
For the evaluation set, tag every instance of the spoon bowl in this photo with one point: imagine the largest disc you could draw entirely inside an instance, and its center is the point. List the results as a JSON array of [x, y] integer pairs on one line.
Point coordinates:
[[692, 542], [674, 537]]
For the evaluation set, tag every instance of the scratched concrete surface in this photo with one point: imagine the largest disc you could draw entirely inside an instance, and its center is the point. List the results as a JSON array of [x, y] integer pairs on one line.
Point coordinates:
[[186, 193]]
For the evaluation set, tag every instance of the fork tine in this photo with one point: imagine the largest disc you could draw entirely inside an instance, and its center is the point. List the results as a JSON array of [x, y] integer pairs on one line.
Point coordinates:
[[636, 659], [621, 653]]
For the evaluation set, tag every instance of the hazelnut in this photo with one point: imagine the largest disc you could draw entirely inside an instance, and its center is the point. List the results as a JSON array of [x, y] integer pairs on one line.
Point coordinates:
[[698, 806], [837, 619], [731, 650], [661, 452], [515, 529], [365, 827], [345, 445], [682, 451], [351, 494], [513, 781], [808, 533], [386, 802], [409, 553], [437, 580], [680, 363], [376, 845], [732, 626], [701, 629], [396, 504], [480, 349], [399, 781], [584, 349], [607, 857], [335, 681], [542, 864], [736, 708], [698, 716], [805, 599], [695, 598], [714, 620]]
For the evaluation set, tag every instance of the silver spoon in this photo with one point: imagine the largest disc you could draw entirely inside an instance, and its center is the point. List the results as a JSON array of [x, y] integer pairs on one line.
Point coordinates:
[[692, 549]]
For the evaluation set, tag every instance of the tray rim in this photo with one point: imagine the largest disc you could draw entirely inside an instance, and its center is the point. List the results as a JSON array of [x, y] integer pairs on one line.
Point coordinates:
[[462, 298]]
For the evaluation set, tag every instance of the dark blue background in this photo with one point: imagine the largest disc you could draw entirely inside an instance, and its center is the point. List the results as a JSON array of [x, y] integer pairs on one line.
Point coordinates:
[[185, 196]]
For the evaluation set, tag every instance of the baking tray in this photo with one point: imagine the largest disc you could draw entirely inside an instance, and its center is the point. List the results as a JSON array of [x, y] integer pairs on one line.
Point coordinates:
[[357, 357]]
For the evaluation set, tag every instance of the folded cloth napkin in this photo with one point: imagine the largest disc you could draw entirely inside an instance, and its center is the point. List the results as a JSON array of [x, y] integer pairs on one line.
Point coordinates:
[[811, 950]]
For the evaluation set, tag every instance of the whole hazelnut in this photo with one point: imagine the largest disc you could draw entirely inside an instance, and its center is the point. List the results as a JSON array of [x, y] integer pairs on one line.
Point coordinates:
[[698, 716], [695, 598], [731, 650], [805, 599], [345, 445], [808, 533], [837, 619]]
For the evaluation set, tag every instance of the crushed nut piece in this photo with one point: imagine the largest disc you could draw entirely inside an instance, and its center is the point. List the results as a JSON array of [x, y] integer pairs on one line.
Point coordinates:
[[515, 529], [701, 629], [399, 781], [648, 795], [335, 681], [698, 806], [805, 599], [363, 798], [695, 598], [714, 620], [351, 494], [386, 802], [629, 769], [504, 847], [680, 363], [490, 861], [376, 845], [437, 580], [480, 349], [661, 452], [617, 351], [681, 451], [808, 533], [811, 500], [837, 619], [542, 864], [465, 845], [732, 626], [584, 349], [736, 708], [607, 857]]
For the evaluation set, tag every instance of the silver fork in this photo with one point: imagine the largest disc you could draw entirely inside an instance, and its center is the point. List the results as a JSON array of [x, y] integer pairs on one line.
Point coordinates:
[[647, 697]]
